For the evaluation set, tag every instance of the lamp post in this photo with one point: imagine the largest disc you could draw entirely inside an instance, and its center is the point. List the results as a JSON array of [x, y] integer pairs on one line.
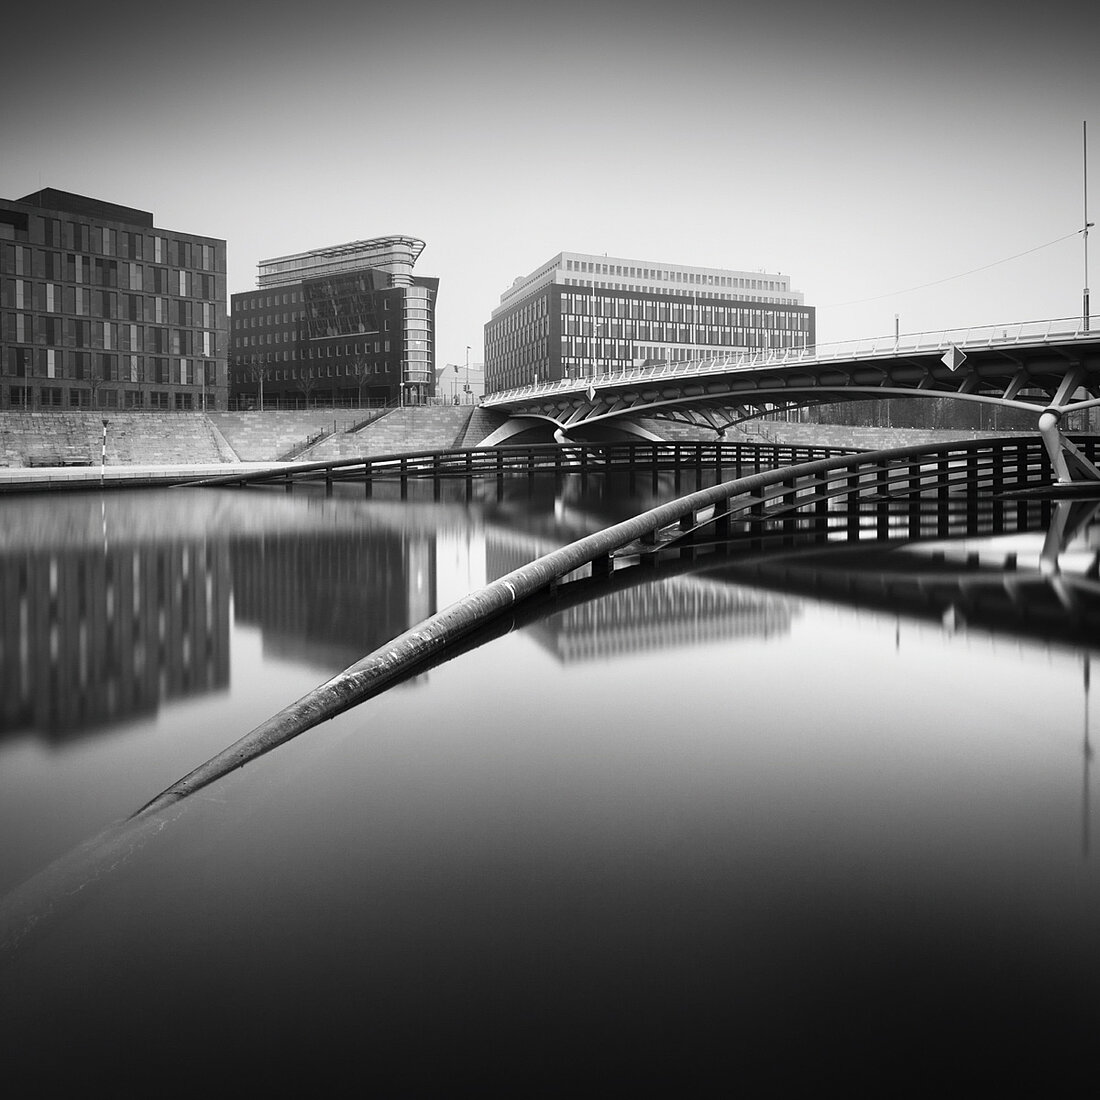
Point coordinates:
[[467, 385]]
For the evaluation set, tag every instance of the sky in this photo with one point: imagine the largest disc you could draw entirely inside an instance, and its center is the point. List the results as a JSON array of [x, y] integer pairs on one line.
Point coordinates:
[[920, 168]]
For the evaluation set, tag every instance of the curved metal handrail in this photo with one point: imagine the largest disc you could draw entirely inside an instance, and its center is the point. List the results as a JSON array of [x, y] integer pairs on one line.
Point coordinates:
[[431, 636]]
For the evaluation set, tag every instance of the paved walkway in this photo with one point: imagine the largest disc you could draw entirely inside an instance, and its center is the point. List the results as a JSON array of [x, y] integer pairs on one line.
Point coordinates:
[[15, 479]]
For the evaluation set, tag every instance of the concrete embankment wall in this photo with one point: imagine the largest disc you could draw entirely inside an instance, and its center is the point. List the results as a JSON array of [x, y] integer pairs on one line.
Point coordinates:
[[75, 438]]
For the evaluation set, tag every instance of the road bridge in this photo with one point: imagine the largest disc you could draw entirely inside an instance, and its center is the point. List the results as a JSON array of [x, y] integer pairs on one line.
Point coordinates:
[[1050, 368]]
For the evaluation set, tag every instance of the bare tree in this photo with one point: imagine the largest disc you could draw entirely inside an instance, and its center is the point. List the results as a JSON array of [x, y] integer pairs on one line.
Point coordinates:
[[95, 380], [307, 382], [360, 369], [260, 369]]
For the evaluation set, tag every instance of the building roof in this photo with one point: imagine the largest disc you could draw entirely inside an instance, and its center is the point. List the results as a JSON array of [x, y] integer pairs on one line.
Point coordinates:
[[49, 198]]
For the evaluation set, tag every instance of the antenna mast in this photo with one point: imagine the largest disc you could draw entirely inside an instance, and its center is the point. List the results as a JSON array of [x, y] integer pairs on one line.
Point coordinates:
[[1085, 231]]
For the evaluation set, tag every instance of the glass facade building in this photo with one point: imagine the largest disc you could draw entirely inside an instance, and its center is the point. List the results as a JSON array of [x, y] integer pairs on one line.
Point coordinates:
[[99, 309], [345, 325], [582, 315]]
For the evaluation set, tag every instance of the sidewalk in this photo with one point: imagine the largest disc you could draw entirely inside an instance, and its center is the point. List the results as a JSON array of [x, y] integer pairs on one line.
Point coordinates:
[[38, 479]]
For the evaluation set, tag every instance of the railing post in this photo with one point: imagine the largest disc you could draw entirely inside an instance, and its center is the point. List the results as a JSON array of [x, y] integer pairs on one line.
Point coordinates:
[[821, 506], [882, 504], [722, 518], [790, 518], [853, 505], [997, 458], [943, 496], [914, 500]]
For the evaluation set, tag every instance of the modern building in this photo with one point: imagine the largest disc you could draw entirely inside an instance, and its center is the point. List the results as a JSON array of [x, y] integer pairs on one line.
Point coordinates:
[[100, 309], [460, 383], [346, 325], [582, 315]]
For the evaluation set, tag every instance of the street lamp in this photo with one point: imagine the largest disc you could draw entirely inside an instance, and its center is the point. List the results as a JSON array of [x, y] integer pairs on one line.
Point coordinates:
[[467, 373]]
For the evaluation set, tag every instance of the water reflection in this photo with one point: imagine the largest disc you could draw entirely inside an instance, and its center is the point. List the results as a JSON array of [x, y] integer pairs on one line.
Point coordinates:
[[853, 837], [113, 607], [95, 636]]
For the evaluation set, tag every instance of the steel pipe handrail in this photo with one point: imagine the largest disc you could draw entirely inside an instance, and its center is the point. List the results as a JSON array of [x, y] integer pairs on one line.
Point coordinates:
[[434, 634]]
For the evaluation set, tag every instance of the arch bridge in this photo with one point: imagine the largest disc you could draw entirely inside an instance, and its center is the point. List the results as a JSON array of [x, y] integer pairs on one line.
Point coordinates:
[[1050, 368]]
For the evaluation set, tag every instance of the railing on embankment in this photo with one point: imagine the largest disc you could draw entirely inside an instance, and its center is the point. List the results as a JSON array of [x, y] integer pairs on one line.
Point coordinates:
[[489, 462], [857, 491]]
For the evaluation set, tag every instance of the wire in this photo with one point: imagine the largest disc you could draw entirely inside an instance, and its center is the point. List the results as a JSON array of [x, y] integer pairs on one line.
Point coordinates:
[[949, 278]]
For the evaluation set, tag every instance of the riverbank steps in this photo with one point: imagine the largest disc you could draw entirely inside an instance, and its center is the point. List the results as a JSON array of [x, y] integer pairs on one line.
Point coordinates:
[[145, 438]]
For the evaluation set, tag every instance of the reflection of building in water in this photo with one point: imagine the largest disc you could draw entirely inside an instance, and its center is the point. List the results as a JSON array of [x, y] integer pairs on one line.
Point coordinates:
[[89, 636], [330, 598], [675, 611]]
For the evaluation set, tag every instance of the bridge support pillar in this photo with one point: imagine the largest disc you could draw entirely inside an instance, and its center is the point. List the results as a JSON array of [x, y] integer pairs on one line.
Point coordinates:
[[1067, 462]]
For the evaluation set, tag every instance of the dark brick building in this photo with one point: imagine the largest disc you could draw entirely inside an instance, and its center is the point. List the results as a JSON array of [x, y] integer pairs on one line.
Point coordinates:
[[100, 309]]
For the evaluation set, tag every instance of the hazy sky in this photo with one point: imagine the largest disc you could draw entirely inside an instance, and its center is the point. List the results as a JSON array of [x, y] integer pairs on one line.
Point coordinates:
[[864, 151]]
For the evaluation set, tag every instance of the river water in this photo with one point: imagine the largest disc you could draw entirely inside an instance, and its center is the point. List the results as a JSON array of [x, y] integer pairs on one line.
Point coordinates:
[[793, 817]]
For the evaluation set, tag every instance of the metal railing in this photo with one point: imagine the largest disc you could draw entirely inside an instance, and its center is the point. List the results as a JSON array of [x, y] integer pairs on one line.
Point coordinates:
[[488, 462], [1060, 330]]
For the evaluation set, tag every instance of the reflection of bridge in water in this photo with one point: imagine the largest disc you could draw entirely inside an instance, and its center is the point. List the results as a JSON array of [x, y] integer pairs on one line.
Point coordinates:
[[108, 611], [1046, 368]]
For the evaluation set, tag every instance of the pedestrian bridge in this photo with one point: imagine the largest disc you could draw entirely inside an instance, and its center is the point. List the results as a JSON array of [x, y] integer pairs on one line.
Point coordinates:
[[1050, 368]]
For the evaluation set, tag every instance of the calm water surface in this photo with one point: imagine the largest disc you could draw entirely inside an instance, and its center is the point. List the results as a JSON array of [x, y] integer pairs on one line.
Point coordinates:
[[781, 820]]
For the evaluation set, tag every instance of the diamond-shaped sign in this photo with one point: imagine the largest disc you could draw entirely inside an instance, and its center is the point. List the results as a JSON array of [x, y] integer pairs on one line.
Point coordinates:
[[953, 358], [591, 393]]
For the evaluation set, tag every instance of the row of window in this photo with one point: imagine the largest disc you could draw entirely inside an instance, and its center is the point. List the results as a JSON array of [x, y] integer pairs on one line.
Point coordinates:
[[326, 351], [105, 367], [272, 319], [61, 332], [89, 271], [107, 241], [740, 296], [83, 397], [682, 310], [110, 305], [353, 371], [674, 275], [675, 333], [243, 302]]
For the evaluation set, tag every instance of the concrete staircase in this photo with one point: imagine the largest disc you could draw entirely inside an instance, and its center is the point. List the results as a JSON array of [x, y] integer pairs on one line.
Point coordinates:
[[271, 436], [416, 428]]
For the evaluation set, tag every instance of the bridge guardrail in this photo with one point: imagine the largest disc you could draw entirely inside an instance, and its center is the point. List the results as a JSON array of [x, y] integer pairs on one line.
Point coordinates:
[[980, 336]]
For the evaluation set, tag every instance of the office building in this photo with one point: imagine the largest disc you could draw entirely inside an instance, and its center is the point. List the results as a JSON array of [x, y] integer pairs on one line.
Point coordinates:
[[582, 315], [346, 325], [100, 309]]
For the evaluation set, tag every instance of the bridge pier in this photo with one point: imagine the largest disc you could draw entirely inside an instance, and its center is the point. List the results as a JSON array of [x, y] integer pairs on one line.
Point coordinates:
[[1066, 460]]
